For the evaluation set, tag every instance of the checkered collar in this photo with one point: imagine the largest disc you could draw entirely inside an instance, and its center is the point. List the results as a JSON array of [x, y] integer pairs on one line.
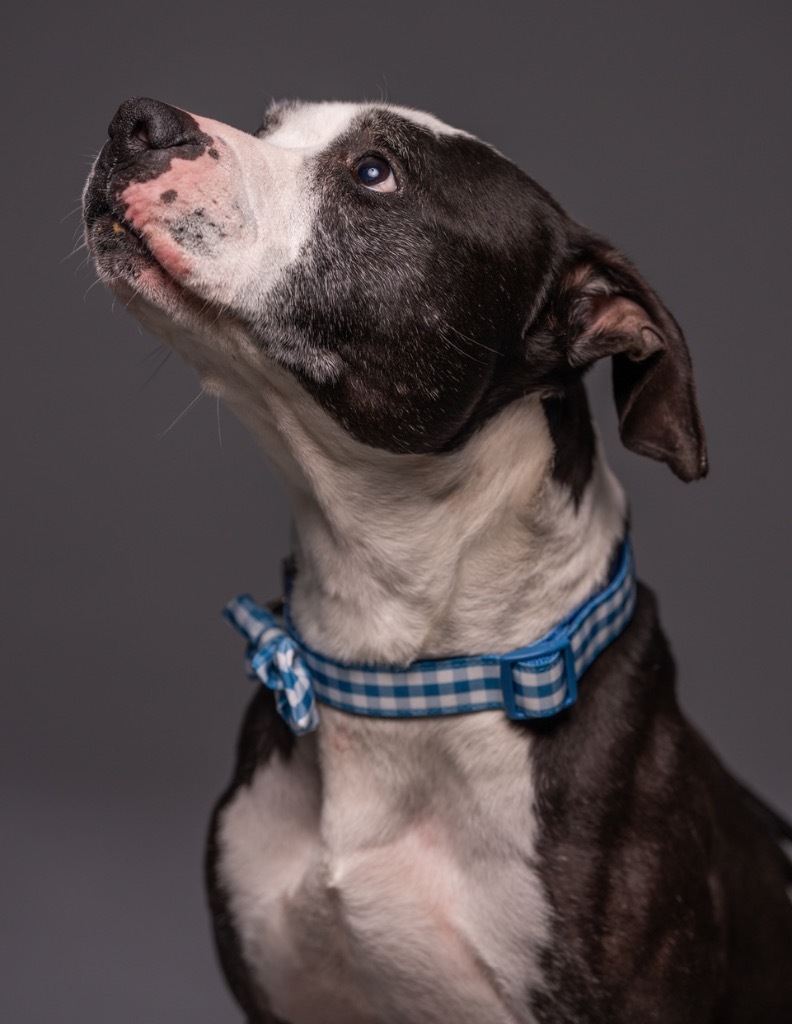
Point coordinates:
[[532, 682]]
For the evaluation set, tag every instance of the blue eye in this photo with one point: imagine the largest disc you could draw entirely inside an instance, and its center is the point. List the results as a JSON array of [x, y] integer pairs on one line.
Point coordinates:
[[375, 174]]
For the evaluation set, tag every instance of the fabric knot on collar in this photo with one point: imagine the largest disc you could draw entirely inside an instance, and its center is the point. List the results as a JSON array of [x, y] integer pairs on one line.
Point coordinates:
[[274, 657], [535, 681]]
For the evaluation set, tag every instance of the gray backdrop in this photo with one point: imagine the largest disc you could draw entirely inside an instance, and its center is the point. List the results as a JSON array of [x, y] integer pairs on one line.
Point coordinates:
[[664, 126]]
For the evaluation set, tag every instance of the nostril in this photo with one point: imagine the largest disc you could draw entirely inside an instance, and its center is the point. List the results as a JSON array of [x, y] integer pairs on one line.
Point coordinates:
[[140, 132]]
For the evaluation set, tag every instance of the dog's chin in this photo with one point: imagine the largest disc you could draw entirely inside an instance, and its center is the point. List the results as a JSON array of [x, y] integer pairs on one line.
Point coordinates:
[[139, 276]]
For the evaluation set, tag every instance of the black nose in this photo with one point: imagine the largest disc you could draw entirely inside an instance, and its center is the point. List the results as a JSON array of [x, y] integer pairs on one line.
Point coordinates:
[[141, 125]]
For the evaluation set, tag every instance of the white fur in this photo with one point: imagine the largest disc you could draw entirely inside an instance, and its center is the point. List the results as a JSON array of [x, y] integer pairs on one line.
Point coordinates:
[[266, 184], [384, 874], [313, 126]]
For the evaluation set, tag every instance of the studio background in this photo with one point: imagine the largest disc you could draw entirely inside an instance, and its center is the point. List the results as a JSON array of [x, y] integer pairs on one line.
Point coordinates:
[[663, 126]]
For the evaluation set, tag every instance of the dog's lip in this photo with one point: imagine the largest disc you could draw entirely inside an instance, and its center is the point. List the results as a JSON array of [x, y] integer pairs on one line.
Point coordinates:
[[103, 206], [105, 215], [107, 224], [119, 225], [105, 221]]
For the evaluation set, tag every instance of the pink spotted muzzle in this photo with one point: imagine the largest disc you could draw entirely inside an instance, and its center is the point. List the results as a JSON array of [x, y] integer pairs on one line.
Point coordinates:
[[163, 199]]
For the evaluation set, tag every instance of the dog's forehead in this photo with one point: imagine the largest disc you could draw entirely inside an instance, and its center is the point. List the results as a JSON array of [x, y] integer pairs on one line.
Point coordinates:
[[315, 126]]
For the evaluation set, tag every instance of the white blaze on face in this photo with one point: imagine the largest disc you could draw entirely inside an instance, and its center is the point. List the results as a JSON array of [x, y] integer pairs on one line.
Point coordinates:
[[312, 127], [227, 224]]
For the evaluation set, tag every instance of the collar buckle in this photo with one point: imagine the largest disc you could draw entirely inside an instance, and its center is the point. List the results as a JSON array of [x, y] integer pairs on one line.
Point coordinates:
[[539, 699]]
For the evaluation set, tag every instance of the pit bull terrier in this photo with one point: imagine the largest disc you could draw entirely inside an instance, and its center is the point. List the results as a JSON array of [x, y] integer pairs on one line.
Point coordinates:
[[466, 793]]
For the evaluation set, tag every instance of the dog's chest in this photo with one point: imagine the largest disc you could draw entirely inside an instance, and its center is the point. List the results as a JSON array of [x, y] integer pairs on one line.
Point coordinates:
[[384, 873]]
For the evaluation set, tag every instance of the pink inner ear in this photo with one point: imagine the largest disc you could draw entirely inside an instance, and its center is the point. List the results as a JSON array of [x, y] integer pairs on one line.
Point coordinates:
[[620, 318], [598, 306]]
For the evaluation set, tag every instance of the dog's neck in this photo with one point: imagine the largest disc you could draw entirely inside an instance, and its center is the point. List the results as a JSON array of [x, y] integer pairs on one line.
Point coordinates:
[[427, 556], [402, 557]]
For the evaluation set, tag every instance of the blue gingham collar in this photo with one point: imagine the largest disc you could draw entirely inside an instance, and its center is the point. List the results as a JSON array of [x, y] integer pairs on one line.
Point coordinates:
[[532, 682]]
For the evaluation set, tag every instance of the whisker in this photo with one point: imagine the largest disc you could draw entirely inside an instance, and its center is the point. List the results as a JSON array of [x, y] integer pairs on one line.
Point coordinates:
[[84, 262], [90, 286], [182, 414], [219, 432], [75, 250], [473, 341], [157, 368], [71, 213], [152, 352], [461, 351]]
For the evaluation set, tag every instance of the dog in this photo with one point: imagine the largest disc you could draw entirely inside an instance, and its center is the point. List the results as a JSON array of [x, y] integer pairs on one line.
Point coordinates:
[[404, 319]]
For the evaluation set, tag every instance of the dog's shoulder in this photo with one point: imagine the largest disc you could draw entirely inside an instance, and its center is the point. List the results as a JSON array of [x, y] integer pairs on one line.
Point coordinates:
[[649, 890]]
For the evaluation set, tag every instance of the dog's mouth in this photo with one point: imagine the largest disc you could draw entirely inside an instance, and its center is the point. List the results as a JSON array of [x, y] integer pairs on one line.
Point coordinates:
[[150, 278], [111, 239], [124, 259], [109, 231]]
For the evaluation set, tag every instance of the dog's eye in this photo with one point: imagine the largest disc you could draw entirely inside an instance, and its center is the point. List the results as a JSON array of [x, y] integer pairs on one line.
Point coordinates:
[[376, 174]]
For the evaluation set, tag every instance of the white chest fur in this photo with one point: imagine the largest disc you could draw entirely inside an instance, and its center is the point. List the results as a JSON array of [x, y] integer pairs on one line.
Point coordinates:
[[383, 874]]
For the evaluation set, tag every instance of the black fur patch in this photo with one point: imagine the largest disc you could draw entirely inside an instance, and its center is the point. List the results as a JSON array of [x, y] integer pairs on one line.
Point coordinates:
[[196, 232], [573, 438]]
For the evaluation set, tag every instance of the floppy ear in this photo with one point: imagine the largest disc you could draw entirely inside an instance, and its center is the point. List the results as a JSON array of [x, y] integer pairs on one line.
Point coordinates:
[[609, 310]]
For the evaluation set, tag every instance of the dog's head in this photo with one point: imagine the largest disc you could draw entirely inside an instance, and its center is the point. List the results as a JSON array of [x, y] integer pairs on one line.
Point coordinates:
[[409, 277]]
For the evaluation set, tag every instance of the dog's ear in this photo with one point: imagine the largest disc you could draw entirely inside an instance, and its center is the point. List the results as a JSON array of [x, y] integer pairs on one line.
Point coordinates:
[[605, 308]]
